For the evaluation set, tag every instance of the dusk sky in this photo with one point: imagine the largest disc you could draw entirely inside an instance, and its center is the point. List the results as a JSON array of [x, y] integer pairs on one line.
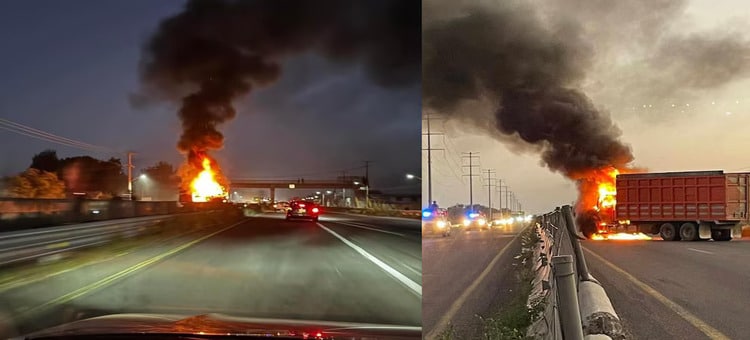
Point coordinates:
[[70, 69], [687, 61]]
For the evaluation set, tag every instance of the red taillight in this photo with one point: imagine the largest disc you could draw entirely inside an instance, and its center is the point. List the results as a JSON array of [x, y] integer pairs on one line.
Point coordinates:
[[315, 210], [319, 334], [301, 205]]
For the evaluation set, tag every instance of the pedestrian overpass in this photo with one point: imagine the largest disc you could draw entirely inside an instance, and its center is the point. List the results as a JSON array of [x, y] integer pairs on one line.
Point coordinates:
[[353, 183]]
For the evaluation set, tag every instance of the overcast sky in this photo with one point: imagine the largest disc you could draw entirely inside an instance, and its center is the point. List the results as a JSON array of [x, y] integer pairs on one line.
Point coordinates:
[[68, 68], [686, 61]]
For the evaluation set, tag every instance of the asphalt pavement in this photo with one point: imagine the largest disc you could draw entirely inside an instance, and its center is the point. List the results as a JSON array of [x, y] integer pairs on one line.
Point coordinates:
[[466, 275], [344, 268], [676, 290]]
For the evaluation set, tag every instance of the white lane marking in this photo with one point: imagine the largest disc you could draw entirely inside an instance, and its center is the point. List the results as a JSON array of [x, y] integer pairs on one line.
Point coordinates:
[[388, 269], [369, 228], [701, 251]]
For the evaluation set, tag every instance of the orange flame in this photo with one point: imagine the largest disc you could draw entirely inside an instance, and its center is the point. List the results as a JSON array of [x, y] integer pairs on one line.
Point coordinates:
[[620, 236], [607, 190], [205, 187]]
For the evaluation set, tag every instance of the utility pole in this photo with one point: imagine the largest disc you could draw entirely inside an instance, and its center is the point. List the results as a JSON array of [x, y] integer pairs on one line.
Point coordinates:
[[471, 156], [500, 196], [130, 175], [507, 199], [429, 157], [343, 189], [367, 184], [489, 184]]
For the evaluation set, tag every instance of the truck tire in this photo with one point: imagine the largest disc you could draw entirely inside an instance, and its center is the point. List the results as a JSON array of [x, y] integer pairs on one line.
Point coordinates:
[[721, 234], [688, 231], [668, 232]]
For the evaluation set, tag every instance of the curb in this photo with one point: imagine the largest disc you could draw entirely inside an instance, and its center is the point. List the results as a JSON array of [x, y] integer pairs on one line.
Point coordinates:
[[597, 314]]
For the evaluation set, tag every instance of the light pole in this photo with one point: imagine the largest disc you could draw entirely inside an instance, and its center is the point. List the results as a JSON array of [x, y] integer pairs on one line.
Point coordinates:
[[410, 176], [327, 192], [142, 176], [367, 194]]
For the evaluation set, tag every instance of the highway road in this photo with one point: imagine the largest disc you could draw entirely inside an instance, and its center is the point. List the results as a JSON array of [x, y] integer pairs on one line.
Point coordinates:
[[465, 275], [676, 290], [344, 268]]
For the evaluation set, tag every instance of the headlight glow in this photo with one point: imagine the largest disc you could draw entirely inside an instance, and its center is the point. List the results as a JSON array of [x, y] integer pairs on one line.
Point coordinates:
[[482, 221], [441, 224], [466, 222]]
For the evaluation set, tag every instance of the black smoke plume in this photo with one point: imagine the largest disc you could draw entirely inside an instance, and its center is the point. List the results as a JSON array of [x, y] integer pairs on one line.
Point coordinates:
[[215, 51], [531, 72]]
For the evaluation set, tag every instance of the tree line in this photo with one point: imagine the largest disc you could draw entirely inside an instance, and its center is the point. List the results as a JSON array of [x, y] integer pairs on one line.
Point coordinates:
[[49, 176]]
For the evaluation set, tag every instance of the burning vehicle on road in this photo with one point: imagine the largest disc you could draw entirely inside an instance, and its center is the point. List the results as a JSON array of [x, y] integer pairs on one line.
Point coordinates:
[[687, 206]]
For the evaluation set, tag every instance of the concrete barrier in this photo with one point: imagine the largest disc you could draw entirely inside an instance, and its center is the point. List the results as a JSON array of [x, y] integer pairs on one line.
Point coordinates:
[[25, 213], [596, 337], [597, 314]]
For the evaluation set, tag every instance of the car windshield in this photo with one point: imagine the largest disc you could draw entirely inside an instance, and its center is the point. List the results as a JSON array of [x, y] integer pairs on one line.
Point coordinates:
[[152, 153]]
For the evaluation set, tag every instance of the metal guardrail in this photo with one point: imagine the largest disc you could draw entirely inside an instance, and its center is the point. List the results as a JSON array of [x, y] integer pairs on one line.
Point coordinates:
[[25, 245], [560, 270]]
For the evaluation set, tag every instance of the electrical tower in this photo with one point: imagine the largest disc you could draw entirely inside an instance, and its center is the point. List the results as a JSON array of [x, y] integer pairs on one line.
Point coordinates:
[[471, 156], [489, 185], [429, 149]]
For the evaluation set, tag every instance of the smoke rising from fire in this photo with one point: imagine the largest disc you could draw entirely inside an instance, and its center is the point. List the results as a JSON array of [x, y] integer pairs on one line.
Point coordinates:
[[532, 72], [214, 52]]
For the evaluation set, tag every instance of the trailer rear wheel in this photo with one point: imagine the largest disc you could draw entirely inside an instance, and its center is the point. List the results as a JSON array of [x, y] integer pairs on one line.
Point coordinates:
[[668, 232], [688, 231], [721, 234]]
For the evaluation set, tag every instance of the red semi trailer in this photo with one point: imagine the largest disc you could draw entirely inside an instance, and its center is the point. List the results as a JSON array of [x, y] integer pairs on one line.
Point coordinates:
[[681, 205]]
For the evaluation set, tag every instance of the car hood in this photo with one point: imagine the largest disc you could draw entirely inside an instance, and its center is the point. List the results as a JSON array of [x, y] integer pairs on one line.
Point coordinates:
[[220, 324]]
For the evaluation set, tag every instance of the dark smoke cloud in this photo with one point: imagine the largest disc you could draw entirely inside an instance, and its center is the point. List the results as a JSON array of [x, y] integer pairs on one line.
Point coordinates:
[[532, 71], [700, 61], [214, 52], [645, 54]]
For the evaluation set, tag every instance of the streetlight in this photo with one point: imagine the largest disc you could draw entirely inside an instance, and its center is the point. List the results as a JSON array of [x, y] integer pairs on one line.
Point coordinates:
[[142, 176], [367, 194], [410, 176], [323, 199]]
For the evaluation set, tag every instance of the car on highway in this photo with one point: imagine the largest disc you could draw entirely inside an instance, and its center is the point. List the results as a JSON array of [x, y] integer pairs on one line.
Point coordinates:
[[303, 209], [435, 222], [281, 206], [475, 220]]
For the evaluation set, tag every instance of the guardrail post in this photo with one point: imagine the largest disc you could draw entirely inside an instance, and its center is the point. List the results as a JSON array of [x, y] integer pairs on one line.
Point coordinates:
[[565, 281], [582, 268]]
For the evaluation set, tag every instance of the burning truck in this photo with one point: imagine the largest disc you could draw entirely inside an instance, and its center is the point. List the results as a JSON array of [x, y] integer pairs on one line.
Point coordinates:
[[203, 186], [686, 206]]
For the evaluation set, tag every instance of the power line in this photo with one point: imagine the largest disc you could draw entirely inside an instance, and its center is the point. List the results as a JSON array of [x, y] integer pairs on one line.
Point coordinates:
[[50, 137]]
